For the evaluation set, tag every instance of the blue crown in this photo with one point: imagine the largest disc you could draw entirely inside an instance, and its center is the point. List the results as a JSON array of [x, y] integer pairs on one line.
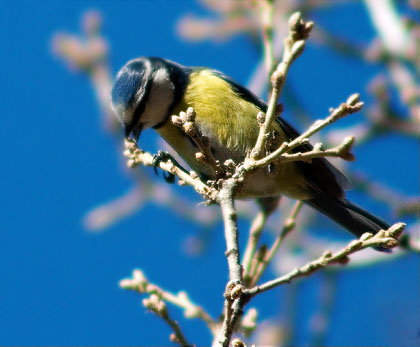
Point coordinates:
[[127, 83]]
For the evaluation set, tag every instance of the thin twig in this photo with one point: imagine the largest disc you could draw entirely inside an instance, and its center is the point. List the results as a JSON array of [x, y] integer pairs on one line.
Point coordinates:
[[384, 238], [350, 106], [256, 262], [158, 306], [137, 156], [341, 151], [139, 283], [186, 121], [294, 46], [266, 9], [254, 236], [287, 228]]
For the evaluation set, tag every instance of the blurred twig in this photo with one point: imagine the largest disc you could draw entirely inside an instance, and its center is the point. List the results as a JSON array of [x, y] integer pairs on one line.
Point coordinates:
[[138, 282]]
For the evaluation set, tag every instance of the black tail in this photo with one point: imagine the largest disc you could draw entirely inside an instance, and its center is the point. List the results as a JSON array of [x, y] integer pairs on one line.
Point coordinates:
[[350, 216]]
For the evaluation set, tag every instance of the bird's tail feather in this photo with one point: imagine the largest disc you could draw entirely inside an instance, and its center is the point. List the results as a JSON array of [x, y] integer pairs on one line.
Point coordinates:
[[350, 216]]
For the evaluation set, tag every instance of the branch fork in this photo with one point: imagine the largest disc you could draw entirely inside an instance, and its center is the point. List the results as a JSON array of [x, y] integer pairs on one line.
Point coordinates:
[[186, 121], [243, 280], [384, 238], [137, 156]]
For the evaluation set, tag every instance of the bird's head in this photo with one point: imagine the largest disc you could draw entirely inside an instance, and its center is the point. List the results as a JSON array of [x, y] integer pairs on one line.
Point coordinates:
[[144, 92]]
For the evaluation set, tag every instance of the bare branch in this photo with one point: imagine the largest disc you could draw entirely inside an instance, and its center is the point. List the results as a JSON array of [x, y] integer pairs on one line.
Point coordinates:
[[222, 338], [287, 228], [225, 200], [158, 306], [267, 207], [186, 121], [254, 236], [255, 261], [293, 47], [342, 151], [139, 283], [384, 238], [234, 289], [235, 300], [350, 106], [137, 156]]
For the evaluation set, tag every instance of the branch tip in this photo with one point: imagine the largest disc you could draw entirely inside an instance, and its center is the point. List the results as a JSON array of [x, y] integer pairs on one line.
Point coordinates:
[[298, 48], [353, 99], [237, 343]]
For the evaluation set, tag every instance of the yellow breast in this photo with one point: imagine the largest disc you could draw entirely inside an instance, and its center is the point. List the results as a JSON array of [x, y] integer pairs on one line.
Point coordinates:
[[220, 111], [231, 124]]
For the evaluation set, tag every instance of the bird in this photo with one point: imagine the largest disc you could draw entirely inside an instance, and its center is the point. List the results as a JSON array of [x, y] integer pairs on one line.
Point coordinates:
[[148, 90]]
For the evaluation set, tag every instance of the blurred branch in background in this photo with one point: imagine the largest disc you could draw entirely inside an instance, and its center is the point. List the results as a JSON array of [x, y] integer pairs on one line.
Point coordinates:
[[395, 110], [88, 53], [139, 283]]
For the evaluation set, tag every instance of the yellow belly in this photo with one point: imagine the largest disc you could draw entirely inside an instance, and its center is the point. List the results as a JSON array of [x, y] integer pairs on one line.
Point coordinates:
[[231, 125]]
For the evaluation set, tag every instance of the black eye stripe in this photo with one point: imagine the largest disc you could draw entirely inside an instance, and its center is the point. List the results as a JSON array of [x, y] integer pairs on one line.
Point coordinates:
[[133, 85], [142, 105]]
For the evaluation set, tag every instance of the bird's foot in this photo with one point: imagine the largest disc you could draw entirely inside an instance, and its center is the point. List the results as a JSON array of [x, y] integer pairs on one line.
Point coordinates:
[[157, 159]]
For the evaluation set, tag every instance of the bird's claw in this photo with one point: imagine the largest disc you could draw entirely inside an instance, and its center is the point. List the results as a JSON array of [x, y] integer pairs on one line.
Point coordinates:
[[157, 159]]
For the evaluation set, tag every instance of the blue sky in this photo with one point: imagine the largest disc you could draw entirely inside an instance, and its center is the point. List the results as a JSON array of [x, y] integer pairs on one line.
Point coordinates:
[[59, 283]]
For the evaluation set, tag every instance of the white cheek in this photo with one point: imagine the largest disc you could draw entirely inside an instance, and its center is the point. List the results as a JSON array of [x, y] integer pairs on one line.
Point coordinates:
[[125, 116], [160, 99]]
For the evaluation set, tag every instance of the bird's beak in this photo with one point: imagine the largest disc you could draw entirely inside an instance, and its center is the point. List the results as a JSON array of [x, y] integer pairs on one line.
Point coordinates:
[[133, 133], [137, 132]]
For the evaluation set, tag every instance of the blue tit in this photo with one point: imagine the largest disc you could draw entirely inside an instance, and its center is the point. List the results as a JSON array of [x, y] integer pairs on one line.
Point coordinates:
[[147, 91]]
